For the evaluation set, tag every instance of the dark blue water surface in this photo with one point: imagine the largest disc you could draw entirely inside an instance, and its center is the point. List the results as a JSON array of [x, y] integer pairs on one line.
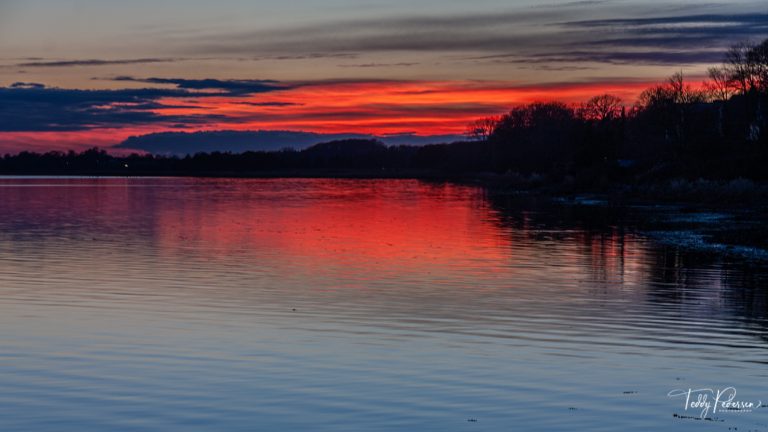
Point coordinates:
[[352, 305]]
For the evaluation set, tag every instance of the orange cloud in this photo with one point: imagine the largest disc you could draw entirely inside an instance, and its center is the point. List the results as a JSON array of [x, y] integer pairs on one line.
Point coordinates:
[[391, 107]]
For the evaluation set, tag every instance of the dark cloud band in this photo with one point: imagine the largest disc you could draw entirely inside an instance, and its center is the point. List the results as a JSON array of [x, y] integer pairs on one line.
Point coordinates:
[[26, 107], [532, 34]]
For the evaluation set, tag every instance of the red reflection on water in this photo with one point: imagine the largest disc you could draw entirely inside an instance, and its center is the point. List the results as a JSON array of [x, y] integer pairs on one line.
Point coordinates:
[[403, 223], [364, 228]]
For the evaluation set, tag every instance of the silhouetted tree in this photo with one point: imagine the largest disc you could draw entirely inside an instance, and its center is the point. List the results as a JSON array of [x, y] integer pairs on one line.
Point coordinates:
[[482, 129], [720, 85], [535, 136], [682, 93], [601, 108], [742, 63], [760, 58]]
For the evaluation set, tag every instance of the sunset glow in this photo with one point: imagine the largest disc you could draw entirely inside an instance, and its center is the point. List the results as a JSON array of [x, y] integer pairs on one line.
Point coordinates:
[[377, 108], [353, 68]]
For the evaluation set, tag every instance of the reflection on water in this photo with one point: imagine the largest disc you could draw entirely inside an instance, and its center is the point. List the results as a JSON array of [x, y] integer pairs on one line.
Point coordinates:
[[332, 305]]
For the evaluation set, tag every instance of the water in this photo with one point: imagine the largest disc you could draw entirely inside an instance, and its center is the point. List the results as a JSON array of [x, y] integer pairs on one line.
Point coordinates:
[[350, 305]]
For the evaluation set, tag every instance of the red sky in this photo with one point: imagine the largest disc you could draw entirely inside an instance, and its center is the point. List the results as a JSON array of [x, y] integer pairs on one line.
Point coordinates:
[[367, 107]]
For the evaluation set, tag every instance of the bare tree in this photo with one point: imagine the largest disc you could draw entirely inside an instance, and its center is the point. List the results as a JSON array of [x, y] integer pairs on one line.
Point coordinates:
[[759, 58], [740, 62], [601, 108], [720, 86], [483, 128], [683, 93]]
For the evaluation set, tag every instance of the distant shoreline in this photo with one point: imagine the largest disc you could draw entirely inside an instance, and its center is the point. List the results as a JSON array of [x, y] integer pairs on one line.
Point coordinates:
[[320, 174], [705, 192]]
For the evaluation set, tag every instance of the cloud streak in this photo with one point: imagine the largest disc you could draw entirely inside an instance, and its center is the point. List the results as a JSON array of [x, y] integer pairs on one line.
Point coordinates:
[[33, 107], [658, 58], [51, 109], [231, 87], [93, 62], [529, 34]]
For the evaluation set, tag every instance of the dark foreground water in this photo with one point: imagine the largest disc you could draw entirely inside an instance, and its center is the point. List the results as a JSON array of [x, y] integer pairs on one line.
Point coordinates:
[[330, 305]]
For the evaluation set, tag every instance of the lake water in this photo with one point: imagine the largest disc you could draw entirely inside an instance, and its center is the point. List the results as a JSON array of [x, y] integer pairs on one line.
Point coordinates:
[[353, 305]]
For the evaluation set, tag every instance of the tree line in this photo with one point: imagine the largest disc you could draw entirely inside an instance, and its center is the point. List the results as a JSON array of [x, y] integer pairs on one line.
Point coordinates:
[[718, 130]]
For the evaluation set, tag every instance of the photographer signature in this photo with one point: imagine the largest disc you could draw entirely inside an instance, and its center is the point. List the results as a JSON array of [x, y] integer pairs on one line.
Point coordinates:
[[711, 401]]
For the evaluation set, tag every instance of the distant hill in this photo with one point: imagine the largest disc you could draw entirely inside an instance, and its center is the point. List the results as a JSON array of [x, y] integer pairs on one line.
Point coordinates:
[[183, 143], [419, 140]]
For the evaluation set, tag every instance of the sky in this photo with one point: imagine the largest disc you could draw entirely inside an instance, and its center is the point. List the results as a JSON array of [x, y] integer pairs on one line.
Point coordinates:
[[79, 73]]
